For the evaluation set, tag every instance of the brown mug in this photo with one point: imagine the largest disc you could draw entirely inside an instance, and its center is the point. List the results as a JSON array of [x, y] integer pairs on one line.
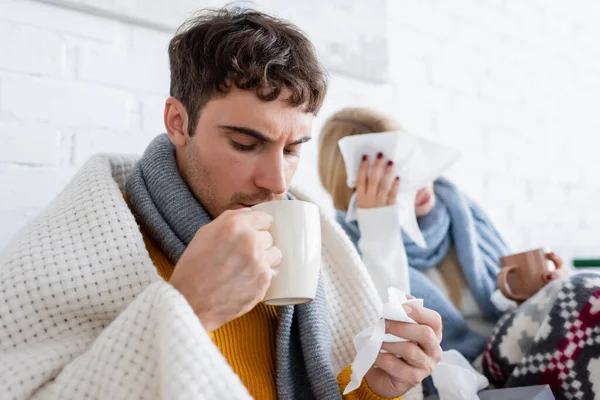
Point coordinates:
[[522, 275]]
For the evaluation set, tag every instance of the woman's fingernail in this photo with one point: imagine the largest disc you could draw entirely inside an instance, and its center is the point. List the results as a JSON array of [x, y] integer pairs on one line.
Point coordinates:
[[552, 275], [408, 309], [364, 157], [390, 163], [397, 178], [380, 155]]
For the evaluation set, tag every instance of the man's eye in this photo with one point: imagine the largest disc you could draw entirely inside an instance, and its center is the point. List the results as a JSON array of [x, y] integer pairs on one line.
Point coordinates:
[[243, 147], [293, 151]]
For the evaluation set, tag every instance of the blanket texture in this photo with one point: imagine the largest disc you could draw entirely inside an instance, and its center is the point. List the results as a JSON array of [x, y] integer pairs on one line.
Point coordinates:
[[84, 314], [553, 338]]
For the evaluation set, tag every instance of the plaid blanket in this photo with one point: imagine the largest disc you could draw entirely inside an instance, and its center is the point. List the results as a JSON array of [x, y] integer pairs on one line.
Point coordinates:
[[553, 338]]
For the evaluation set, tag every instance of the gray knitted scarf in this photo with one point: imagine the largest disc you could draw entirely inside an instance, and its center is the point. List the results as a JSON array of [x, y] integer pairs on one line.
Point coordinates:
[[171, 215]]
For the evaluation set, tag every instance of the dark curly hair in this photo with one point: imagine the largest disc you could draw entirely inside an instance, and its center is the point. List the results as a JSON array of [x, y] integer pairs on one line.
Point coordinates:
[[219, 48]]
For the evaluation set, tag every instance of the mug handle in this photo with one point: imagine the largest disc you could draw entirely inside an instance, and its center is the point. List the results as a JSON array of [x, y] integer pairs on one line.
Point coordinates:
[[556, 260], [503, 284]]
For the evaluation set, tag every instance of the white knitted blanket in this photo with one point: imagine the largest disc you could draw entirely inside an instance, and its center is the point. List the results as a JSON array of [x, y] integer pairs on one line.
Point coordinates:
[[84, 314]]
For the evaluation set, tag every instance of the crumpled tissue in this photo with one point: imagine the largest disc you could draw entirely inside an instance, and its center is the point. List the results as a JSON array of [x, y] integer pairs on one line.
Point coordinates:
[[454, 377], [417, 162]]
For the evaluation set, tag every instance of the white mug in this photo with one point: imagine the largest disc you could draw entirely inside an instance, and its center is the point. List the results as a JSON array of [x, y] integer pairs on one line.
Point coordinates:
[[296, 231]]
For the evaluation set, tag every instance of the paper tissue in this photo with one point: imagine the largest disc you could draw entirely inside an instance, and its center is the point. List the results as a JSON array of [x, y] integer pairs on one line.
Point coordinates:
[[452, 370], [417, 162]]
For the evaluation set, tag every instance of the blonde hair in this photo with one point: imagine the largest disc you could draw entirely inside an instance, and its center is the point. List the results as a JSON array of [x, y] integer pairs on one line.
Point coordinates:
[[346, 122]]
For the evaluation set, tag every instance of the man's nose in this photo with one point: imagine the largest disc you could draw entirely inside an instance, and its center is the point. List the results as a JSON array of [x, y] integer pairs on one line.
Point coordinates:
[[271, 174]]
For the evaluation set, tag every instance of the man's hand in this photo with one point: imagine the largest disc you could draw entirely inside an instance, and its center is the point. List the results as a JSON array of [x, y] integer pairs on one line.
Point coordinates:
[[395, 376], [227, 268]]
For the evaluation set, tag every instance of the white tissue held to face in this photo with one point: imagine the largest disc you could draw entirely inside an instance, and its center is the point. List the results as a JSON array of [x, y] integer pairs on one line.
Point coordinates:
[[418, 162]]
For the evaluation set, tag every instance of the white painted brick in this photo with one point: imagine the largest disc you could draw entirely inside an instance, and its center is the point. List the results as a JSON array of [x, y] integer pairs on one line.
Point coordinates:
[[500, 187], [584, 239], [470, 183], [457, 68], [513, 84], [66, 148], [461, 114], [528, 212], [567, 173], [473, 34], [547, 192], [497, 163], [64, 102], [418, 101], [140, 68], [150, 41], [581, 194], [547, 236], [411, 72], [12, 221], [30, 50], [413, 42], [26, 187], [60, 19], [500, 213], [36, 145], [439, 24], [153, 114], [564, 215], [516, 237], [345, 91], [409, 13], [500, 93], [502, 141], [590, 215], [468, 10], [89, 142]]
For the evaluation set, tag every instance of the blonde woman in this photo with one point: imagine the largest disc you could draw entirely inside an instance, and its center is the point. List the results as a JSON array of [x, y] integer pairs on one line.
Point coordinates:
[[456, 273], [457, 284]]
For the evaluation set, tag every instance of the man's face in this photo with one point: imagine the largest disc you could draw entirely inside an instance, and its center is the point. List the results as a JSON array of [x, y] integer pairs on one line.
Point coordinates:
[[244, 151]]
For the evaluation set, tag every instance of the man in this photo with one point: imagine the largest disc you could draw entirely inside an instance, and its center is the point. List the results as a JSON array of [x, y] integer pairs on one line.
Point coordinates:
[[86, 311]]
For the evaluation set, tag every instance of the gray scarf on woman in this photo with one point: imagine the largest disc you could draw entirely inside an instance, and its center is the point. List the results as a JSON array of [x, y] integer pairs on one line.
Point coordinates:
[[171, 215]]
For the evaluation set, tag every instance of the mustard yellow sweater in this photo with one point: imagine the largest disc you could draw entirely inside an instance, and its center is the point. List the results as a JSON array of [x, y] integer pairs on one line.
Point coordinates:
[[248, 343]]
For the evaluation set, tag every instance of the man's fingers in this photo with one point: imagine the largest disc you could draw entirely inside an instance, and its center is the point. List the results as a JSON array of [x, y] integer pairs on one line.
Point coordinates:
[[423, 335], [425, 316], [256, 219], [410, 353], [273, 257], [400, 370], [265, 239]]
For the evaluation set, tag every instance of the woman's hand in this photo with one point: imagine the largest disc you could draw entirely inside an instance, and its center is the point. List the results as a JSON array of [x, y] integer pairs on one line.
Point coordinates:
[[561, 271], [379, 187]]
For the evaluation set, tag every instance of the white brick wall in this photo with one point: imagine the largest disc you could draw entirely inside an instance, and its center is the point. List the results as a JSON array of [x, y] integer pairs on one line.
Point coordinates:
[[513, 84]]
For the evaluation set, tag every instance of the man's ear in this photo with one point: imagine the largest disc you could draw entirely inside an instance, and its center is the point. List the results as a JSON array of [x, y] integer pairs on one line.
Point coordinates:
[[176, 122]]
